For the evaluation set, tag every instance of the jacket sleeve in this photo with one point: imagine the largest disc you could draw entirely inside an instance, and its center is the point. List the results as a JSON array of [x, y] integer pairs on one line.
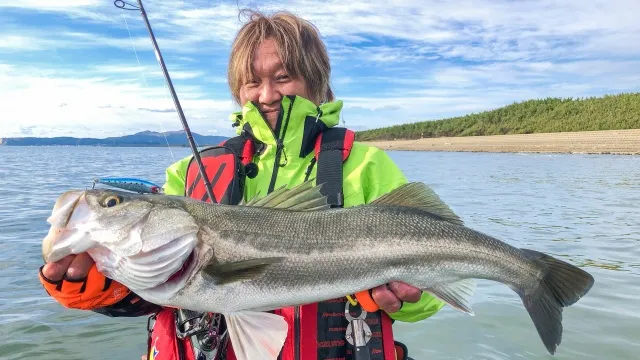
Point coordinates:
[[175, 177], [381, 178]]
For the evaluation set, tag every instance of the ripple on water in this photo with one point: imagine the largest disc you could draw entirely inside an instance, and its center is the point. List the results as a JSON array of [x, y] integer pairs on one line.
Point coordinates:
[[580, 208]]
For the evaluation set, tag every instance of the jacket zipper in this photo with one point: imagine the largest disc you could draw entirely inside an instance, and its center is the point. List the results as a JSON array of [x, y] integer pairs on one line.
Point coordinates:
[[279, 144], [276, 165]]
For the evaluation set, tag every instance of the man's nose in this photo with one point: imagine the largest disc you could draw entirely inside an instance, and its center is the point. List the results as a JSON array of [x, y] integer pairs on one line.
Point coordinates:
[[269, 93]]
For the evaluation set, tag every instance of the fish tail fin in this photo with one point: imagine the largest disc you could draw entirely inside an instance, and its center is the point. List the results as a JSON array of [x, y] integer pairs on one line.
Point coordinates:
[[561, 285]]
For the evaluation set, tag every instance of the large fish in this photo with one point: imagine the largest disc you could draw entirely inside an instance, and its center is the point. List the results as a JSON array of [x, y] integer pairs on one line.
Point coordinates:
[[289, 248]]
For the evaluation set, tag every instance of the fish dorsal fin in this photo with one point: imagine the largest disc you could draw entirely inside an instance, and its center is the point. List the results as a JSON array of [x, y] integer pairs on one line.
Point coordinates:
[[302, 197], [420, 196], [256, 335]]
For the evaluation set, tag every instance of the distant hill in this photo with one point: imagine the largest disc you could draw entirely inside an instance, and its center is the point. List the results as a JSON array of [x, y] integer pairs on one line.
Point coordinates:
[[610, 112], [141, 139]]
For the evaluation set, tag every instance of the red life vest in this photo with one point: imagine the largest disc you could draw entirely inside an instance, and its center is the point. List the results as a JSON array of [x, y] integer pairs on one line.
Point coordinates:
[[163, 342], [316, 331]]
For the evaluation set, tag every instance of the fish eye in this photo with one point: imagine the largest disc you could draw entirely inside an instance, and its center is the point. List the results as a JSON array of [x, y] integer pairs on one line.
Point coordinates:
[[112, 201]]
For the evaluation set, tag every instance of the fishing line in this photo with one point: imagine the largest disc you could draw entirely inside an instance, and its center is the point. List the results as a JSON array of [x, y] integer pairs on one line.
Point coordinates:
[[144, 78], [185, 125]]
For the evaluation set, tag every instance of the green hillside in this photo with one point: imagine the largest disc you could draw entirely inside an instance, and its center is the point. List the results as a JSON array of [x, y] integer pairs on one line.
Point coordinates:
[[610, 112]]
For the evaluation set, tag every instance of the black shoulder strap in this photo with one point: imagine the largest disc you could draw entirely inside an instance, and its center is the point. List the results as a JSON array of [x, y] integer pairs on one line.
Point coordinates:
[[236, 144], [334, 148]]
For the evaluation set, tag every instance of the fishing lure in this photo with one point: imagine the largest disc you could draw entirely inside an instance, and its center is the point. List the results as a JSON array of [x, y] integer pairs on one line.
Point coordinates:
[[130, 184]]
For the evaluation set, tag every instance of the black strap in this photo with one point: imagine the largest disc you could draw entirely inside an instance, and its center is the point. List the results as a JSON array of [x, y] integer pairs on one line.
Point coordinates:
[[329, 164], [236, 144], [131, 306]]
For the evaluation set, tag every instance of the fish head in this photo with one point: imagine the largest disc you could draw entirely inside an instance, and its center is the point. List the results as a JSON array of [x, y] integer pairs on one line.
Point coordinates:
[[149, 243], [81, 218]]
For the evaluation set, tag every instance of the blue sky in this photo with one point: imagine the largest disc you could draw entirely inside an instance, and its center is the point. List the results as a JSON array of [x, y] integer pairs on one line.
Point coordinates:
[[68, 67]]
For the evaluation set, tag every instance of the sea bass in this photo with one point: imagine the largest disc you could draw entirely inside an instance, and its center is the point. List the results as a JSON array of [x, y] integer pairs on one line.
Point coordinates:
[[290, 248]]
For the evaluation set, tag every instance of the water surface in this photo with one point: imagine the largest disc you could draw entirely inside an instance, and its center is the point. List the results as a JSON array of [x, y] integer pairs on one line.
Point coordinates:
[[583, 208]]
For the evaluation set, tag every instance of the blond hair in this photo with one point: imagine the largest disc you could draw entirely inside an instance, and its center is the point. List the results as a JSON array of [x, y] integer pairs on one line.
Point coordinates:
[[298, 44]]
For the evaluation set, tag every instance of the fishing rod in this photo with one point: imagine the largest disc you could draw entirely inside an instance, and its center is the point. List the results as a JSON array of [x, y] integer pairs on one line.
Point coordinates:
[[127, 6]]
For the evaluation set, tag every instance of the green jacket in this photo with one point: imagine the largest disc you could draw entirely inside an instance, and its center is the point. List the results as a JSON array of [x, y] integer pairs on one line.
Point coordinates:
[[368, 172]]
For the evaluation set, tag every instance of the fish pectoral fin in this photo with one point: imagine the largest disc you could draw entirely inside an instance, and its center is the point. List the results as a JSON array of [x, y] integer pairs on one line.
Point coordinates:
[[302, 197], [240, 270], [420, 196], [457, 294], [256, 335]]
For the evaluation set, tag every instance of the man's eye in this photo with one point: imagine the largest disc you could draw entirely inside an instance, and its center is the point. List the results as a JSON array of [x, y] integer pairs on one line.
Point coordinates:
[[283, 77]]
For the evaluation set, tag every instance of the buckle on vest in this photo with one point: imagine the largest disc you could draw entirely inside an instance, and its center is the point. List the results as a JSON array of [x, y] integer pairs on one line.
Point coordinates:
[[358, 331]]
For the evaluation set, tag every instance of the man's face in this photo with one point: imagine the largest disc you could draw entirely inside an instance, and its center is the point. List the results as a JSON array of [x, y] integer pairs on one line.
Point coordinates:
[[270, 82]]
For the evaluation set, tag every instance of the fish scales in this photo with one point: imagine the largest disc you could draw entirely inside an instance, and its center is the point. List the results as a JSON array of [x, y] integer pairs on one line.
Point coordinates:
[[414, 249]]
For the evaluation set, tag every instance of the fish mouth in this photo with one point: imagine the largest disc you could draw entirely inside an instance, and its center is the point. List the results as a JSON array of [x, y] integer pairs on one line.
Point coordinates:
[[63, 240]]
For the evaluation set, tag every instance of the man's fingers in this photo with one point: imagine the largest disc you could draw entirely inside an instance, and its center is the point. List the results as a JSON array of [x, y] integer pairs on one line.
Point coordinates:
[[385, 299], [80, 266], [405, 292], [56, 270]]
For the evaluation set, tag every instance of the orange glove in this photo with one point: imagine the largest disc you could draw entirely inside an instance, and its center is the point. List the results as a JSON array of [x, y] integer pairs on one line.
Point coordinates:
[[89, 293], [366, 301]]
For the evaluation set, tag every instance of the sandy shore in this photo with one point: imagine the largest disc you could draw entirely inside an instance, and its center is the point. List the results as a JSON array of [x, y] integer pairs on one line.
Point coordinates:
[[586, 142]]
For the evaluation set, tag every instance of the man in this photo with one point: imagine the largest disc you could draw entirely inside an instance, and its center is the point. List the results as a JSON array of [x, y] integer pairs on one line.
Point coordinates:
[[279, 71]]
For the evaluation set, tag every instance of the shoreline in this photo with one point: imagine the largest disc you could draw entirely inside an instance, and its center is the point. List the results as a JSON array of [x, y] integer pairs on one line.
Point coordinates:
[[616, 142]]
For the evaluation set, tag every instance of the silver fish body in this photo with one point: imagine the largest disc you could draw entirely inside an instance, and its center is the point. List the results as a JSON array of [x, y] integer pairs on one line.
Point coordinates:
[[328, 254], [291, 249]]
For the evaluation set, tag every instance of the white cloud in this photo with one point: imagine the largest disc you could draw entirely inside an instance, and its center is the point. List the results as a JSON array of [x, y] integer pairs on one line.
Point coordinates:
[[24, 43], [147, 71], [74, 9], [50, 5], [393, 61], [56, 106], [462, 89], [473, 30]]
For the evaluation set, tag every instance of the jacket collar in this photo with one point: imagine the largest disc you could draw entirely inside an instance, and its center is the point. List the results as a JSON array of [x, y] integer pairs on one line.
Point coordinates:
[[300, 121]]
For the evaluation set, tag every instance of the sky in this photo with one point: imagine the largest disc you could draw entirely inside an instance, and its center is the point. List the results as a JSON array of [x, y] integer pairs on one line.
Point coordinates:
[[86, 68]]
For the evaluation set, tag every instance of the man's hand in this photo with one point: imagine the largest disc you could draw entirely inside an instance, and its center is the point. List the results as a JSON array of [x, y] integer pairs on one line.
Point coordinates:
[[74, 281], [73, 266], [390, 297]]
